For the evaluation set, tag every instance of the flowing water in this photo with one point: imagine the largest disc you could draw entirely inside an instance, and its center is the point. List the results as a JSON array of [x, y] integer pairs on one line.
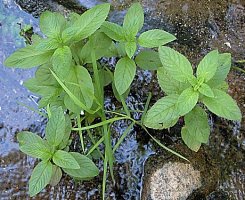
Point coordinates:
[[200, 26]]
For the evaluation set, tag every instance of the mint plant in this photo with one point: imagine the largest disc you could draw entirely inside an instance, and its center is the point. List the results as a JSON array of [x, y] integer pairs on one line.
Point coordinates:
[[188, 95], [54, 154], [70, 79]]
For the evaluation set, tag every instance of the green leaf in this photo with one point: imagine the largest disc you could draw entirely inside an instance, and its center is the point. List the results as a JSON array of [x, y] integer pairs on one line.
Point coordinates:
[[44, 76], [105, 77], [206, 90], [87, 167], [65, 160], [124, 74], [168, 84], [113, 31], [223, 105], [55, 129], [176, 65], [189, 140], [148, 60], [155, 38], [130, 48], [28, 57], [80, 83], [134, 20], [197, 123], [68, 127], [208, 66], [33, 145], [40, 177], [62, 61], [196, 130], [52, 23], [163, 113], [101, 47], [87, 23], [56, 176], [187, 101], [222, 70], [47, 44]]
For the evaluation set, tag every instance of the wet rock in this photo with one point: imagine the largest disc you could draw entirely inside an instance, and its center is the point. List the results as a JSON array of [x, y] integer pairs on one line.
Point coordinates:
[[174, 180]]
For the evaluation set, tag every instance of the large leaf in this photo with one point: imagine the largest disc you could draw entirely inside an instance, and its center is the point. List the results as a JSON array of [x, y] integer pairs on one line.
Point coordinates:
[[65, 160], [208, 65], [223, 105], [40, 177], [124, 74], [134, 20], [187, 101], [44, 76], [130, 48], [113, 31], [87, 167], [148, 60], [87, 23], [55, 129], [80, 83], [28, 57], [33, 145], [168, 84], [56, 176], [196, 129], [52, 24], [155, 38], [176, 65], [163, 113], [62, 61], [222, 70]]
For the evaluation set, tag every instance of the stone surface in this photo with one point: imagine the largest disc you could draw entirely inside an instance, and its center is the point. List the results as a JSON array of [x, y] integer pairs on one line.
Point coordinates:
[[173, 181]]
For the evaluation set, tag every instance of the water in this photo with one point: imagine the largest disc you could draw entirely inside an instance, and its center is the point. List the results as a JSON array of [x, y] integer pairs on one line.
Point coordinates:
[[221, 27]]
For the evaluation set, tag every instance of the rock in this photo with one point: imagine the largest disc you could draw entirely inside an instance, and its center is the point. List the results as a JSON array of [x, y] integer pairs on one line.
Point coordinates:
[[174, 180]]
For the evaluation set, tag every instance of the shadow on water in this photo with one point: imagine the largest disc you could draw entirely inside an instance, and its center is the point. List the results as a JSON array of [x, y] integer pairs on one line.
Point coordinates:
[[199, 26]]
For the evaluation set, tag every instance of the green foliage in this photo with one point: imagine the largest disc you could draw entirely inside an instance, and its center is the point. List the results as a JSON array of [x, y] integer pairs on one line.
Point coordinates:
[[185, 91], [70, 81]]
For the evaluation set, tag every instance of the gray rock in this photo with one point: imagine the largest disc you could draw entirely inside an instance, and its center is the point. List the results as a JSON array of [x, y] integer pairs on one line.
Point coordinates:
[[174, 180]]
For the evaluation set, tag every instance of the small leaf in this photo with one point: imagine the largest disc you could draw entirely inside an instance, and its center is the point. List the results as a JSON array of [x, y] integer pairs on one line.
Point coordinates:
[[148, 60], [47, 44], [55, 129], [189, 140], [176, 65], [51, 24], [34, 146], [134, 20], [223, 105], [87, 23], [113, 31], [163, 113], [87, 167], [56, 176], [187, 101], [168, 84], [206, 90], [155, 38], [65, 160], [208, 65], [130, 48], [62, 61], [40, 177], [222, 70], [28, 57], [124, 74]]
